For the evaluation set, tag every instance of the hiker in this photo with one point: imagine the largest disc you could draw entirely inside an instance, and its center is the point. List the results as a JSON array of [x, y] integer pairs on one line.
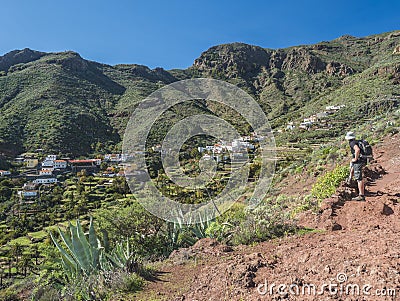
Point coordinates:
[[357, 164]]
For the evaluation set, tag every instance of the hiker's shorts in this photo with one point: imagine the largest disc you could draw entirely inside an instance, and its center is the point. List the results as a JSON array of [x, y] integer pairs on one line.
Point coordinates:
[[358, 171]]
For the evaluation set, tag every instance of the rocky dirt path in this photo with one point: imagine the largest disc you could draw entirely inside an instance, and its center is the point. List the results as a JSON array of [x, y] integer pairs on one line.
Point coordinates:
[[356, 256]]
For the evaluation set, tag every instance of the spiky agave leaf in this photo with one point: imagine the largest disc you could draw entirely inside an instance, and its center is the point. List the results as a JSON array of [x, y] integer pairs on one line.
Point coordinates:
[[78, 249], [86, 247], [69, 264], [95, 245]]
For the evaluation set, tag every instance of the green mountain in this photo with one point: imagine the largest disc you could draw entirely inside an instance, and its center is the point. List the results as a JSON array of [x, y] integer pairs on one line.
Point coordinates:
[[63, 103]]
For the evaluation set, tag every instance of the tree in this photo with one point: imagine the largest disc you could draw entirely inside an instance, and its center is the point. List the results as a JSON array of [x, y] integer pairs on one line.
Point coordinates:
[[26, 263], [120, 186], [34, 250], [1, 276], [16, 252]]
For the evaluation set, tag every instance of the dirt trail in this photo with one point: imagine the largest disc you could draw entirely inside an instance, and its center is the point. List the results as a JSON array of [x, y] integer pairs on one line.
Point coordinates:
[[359, 245]]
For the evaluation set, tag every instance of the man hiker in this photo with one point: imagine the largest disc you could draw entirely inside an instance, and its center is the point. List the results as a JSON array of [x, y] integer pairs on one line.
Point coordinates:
[[357, 164]]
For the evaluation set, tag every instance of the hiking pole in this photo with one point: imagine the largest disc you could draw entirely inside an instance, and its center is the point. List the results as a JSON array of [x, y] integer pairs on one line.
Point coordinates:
[[351, 173]]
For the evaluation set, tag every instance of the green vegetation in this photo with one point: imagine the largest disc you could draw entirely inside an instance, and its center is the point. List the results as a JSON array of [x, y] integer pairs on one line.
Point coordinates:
[[86, 260], [66, 105], [326, 185]]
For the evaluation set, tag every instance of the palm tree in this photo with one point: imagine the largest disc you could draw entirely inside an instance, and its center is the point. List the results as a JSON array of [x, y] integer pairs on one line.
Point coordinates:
[[1, 277], [9, 265], [26, 263], [15, 253], [35, 252]]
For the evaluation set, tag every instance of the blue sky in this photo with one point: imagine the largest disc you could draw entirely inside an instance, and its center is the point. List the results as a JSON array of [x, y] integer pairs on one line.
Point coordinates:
[[172, 34]]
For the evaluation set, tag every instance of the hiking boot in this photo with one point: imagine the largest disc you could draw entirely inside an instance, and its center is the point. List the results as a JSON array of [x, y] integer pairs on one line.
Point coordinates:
[[359, 198]]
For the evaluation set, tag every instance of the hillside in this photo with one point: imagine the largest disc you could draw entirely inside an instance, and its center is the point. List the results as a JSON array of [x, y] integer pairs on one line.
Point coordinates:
[[63, 103], [356, 240]]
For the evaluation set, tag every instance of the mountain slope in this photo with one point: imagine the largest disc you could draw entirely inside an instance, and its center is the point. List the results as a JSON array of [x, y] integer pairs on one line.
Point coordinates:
[[65, 104], [363, 247]]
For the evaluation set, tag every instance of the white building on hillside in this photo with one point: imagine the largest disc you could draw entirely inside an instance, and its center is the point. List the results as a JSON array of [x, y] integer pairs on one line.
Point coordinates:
[[28, 194], [51, 157], [60, 164], [4, 173], [46, 172], [45, 181]]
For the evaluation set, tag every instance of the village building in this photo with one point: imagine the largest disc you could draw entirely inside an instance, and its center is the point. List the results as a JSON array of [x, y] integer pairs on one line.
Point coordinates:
[[123, 157], [45, 172], [4, 173], [334, 108], [45, 181], [60, 164], [29, 186], [31, 163], [90, 165], [290, 126], [48, 163], [51, 157], [306, 125], [109, 172], [27, 194]]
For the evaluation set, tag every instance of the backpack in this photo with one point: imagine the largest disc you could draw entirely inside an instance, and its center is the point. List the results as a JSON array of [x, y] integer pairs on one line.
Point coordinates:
[[366, 150]]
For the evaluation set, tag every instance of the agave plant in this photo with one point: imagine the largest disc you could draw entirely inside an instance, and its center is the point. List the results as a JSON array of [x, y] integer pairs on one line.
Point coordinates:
[[123, 258], [186, 234], [85, 255], [199, 229]]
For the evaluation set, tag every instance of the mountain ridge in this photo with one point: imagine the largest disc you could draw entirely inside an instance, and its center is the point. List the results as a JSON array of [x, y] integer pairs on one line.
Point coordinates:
[[66, 104]]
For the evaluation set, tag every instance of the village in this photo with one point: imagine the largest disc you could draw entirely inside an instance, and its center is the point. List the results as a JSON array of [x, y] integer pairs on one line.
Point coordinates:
[[221, 151], [315, 121], [39, 169], [52, 170]]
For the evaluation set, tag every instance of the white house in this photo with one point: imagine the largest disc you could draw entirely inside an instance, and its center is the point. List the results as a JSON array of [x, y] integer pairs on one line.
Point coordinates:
[[51, 157], [46, 172], [45, 181], [305, 125], [113, 157], [206, 157], [60, 164], [334, 108], [322, 115], [156, 148], [48, 163], [290, 126], [312, 118], [217, 149], [4, 173], [29, 186], [241, 146], [28, 194], [228, 147]]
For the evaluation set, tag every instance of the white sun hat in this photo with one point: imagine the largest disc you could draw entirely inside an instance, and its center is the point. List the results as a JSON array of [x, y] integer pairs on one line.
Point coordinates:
[[350, 136]]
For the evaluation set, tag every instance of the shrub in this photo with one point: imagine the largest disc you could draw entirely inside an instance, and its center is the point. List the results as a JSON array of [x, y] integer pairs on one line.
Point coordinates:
[[268, 220], [327, 184]]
